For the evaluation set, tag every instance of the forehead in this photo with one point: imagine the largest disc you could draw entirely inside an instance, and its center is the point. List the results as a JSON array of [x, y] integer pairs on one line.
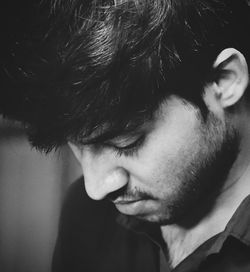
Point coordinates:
[[103, 134], [132, 128], [173, 119], [137, 126]]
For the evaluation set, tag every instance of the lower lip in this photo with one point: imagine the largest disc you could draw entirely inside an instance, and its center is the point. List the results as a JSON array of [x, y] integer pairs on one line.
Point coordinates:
[[132, 208]]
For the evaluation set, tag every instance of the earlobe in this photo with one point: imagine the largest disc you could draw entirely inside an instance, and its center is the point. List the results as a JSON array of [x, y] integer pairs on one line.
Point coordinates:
[[232, 77]]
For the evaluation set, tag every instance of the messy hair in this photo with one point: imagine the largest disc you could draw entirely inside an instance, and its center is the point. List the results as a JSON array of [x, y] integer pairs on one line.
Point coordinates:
[[111, 64]]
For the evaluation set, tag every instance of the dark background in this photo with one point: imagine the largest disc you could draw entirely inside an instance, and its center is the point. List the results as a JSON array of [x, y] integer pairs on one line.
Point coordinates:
[[32, 185]]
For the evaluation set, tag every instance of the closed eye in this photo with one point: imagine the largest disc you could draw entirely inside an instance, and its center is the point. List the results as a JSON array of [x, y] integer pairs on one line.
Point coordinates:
[[126, 149]]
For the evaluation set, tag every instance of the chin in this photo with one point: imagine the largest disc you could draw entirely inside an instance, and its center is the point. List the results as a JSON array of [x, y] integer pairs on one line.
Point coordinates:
[[159, 219]]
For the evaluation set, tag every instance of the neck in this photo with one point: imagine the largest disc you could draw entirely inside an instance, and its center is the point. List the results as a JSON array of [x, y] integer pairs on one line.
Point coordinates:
[[182, 241]]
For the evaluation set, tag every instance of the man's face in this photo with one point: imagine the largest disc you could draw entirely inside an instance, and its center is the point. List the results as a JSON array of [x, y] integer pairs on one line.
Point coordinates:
[[166, 168]]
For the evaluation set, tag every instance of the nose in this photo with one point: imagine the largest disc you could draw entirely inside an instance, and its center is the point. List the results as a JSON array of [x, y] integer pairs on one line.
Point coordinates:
[[98, 188]]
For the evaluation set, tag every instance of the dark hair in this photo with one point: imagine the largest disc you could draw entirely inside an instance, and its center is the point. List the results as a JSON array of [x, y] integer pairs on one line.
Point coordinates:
[[112, 63]]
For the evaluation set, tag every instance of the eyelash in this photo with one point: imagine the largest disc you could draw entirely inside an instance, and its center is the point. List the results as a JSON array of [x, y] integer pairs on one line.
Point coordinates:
[[130, 150], [126, 151]]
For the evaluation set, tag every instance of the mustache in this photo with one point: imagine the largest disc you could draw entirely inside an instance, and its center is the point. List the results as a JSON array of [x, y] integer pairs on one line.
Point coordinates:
[[128, 194]]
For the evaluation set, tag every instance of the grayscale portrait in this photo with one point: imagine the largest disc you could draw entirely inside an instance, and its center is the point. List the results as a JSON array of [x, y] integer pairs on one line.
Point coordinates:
[[148, 101]]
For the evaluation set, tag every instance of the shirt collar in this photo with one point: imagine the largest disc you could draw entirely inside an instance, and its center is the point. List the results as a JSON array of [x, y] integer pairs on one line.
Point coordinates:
[[237, 227]]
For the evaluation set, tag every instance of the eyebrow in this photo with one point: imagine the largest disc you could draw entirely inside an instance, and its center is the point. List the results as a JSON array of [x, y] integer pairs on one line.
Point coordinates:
[[108, 136], [103, 133]]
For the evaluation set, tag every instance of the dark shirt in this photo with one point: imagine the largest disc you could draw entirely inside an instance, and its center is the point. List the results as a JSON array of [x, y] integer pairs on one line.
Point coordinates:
[[94, 237]]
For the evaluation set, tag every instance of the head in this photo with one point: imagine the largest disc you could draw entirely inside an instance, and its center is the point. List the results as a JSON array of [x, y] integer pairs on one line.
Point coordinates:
[[149, 95]]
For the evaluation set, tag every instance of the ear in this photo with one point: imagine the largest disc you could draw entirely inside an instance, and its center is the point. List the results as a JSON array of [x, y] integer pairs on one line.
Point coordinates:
[[232, 77], [76, 151]]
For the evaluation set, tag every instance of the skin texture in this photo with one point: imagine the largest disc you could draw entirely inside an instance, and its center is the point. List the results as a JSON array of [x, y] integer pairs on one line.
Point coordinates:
[[172, 170]]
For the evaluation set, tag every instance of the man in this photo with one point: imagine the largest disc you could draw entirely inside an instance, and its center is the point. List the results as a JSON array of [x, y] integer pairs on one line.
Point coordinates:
[[153, 99]]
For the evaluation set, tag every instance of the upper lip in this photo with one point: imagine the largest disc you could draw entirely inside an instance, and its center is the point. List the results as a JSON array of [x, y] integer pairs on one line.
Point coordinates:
[[125, 201]]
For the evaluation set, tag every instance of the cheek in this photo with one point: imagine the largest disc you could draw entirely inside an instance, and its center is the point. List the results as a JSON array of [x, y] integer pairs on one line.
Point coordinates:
[[169, 149], [158, 173], [163, 167]]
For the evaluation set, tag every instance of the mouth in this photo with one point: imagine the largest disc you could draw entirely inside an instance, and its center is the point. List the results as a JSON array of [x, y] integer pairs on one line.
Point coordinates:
[[126, 201], [131, 206]]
